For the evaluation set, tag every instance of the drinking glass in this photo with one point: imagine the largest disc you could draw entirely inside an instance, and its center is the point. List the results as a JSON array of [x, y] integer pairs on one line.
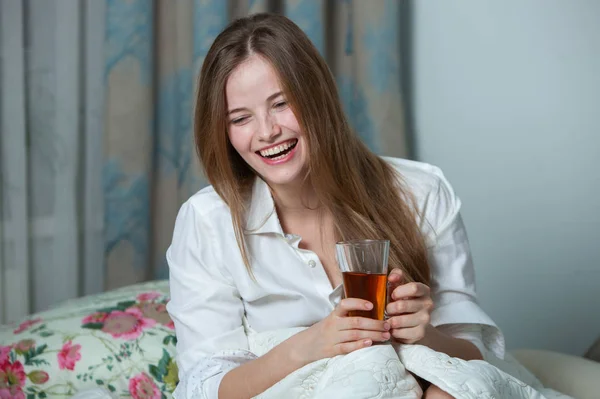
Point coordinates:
[[364, 266]]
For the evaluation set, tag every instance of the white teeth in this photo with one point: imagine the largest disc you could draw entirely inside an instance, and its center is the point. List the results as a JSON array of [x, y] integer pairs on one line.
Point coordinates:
[[276, 150]]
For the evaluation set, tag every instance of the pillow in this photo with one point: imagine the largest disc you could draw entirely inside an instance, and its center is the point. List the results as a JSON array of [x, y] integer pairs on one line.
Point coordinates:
[[121, 340], [594, 352]]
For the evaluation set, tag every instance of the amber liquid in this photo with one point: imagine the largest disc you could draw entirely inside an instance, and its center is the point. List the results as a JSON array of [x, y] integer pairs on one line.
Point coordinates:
[[371, 287]]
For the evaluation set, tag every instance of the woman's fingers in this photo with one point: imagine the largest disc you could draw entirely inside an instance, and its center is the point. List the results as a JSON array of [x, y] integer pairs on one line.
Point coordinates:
[[410, 290], [409, 320], [409, 335], [409, 309], [395, 276], [363, 323], [357, 335], [402, 306], [349, 304], [347, 347]]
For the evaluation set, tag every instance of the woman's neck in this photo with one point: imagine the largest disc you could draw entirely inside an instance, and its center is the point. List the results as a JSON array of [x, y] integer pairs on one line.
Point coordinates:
[[300, 213], [295, 199]]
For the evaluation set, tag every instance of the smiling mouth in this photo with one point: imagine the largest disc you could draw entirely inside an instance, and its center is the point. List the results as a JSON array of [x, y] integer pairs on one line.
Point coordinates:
[[278, 151]]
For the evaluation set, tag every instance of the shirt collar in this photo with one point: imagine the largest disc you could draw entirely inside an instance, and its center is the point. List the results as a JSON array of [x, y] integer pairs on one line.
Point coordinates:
[[262, 216]]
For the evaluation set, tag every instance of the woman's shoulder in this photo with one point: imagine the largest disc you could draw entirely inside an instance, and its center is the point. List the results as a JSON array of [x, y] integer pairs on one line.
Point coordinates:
[[206, 201], [204, 217], [419, 177], [208, 206], [434, 196]]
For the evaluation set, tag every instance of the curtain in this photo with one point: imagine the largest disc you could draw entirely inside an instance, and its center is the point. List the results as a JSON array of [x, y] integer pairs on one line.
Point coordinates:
[[96, 108], [51, 119]]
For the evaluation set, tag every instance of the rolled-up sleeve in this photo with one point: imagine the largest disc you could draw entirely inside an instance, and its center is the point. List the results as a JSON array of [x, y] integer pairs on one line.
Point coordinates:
[[453, 275], [205, 306]]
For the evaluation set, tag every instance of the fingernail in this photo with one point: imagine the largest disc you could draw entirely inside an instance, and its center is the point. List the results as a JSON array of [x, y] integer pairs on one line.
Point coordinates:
[[367, 342], [386, 326], [368, 305], [386, 335]]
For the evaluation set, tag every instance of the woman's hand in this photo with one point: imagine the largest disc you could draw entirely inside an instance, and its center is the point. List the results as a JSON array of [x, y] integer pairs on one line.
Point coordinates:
[[338, 334], [409, 309]]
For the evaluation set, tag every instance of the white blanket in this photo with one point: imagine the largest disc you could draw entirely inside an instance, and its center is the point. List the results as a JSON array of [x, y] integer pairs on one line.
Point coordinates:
[[384, 371]]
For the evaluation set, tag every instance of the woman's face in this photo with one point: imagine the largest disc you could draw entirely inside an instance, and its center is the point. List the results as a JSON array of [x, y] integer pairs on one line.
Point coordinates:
[[261, 125]]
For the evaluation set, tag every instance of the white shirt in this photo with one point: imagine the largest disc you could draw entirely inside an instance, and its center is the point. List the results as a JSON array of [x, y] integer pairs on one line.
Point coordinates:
[[211, 290]]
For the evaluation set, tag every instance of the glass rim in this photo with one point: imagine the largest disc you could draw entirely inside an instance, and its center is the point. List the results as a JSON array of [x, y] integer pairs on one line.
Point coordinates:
[[362, 241]]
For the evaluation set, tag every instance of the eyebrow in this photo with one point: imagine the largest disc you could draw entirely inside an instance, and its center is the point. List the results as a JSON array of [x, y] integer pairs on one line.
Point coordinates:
[[270, 98]]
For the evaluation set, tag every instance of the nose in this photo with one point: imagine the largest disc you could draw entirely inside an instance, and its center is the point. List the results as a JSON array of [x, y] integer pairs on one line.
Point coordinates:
[[269, 129]]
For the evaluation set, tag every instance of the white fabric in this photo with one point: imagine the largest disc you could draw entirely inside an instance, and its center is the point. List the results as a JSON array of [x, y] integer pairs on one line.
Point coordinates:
[[384, 372], [292, 290]]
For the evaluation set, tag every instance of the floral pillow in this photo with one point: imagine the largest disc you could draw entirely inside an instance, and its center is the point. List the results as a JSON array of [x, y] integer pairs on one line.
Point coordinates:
[[122, 341]]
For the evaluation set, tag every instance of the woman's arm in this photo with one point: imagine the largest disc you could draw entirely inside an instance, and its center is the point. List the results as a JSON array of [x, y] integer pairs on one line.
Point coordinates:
[[422, 314], [256, 376], [455, 347], [335, 335], [410, 314]]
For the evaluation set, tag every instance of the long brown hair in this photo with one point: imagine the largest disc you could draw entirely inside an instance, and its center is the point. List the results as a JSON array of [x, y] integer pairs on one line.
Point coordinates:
[[363, 193]]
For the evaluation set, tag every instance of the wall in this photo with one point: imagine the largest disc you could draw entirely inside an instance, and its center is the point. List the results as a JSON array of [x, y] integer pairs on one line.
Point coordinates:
[[506, 99]]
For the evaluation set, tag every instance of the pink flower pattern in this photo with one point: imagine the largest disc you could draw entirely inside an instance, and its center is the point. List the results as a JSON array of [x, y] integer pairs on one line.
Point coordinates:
[[97, 317], [12, 379], [38, 377], [24, 345], [68, 356], [128, 324], [11, 393], [157, 312], [149, 310], [26, 324], [4, 352], [148, 296], [142, 387]]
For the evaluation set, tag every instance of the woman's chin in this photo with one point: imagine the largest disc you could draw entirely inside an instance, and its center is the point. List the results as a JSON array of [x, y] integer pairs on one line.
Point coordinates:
[[283, 179], [284, 174]]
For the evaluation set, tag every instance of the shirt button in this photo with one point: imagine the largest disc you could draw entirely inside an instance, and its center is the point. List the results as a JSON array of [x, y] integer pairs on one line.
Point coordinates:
[[312, 263]]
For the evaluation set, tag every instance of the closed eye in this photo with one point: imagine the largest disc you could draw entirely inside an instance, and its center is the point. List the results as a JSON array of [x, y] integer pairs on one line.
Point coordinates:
[[240, 121], [280, 105]]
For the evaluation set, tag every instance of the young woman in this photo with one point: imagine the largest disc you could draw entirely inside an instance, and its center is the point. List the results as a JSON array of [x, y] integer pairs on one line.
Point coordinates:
[[290, 179]]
